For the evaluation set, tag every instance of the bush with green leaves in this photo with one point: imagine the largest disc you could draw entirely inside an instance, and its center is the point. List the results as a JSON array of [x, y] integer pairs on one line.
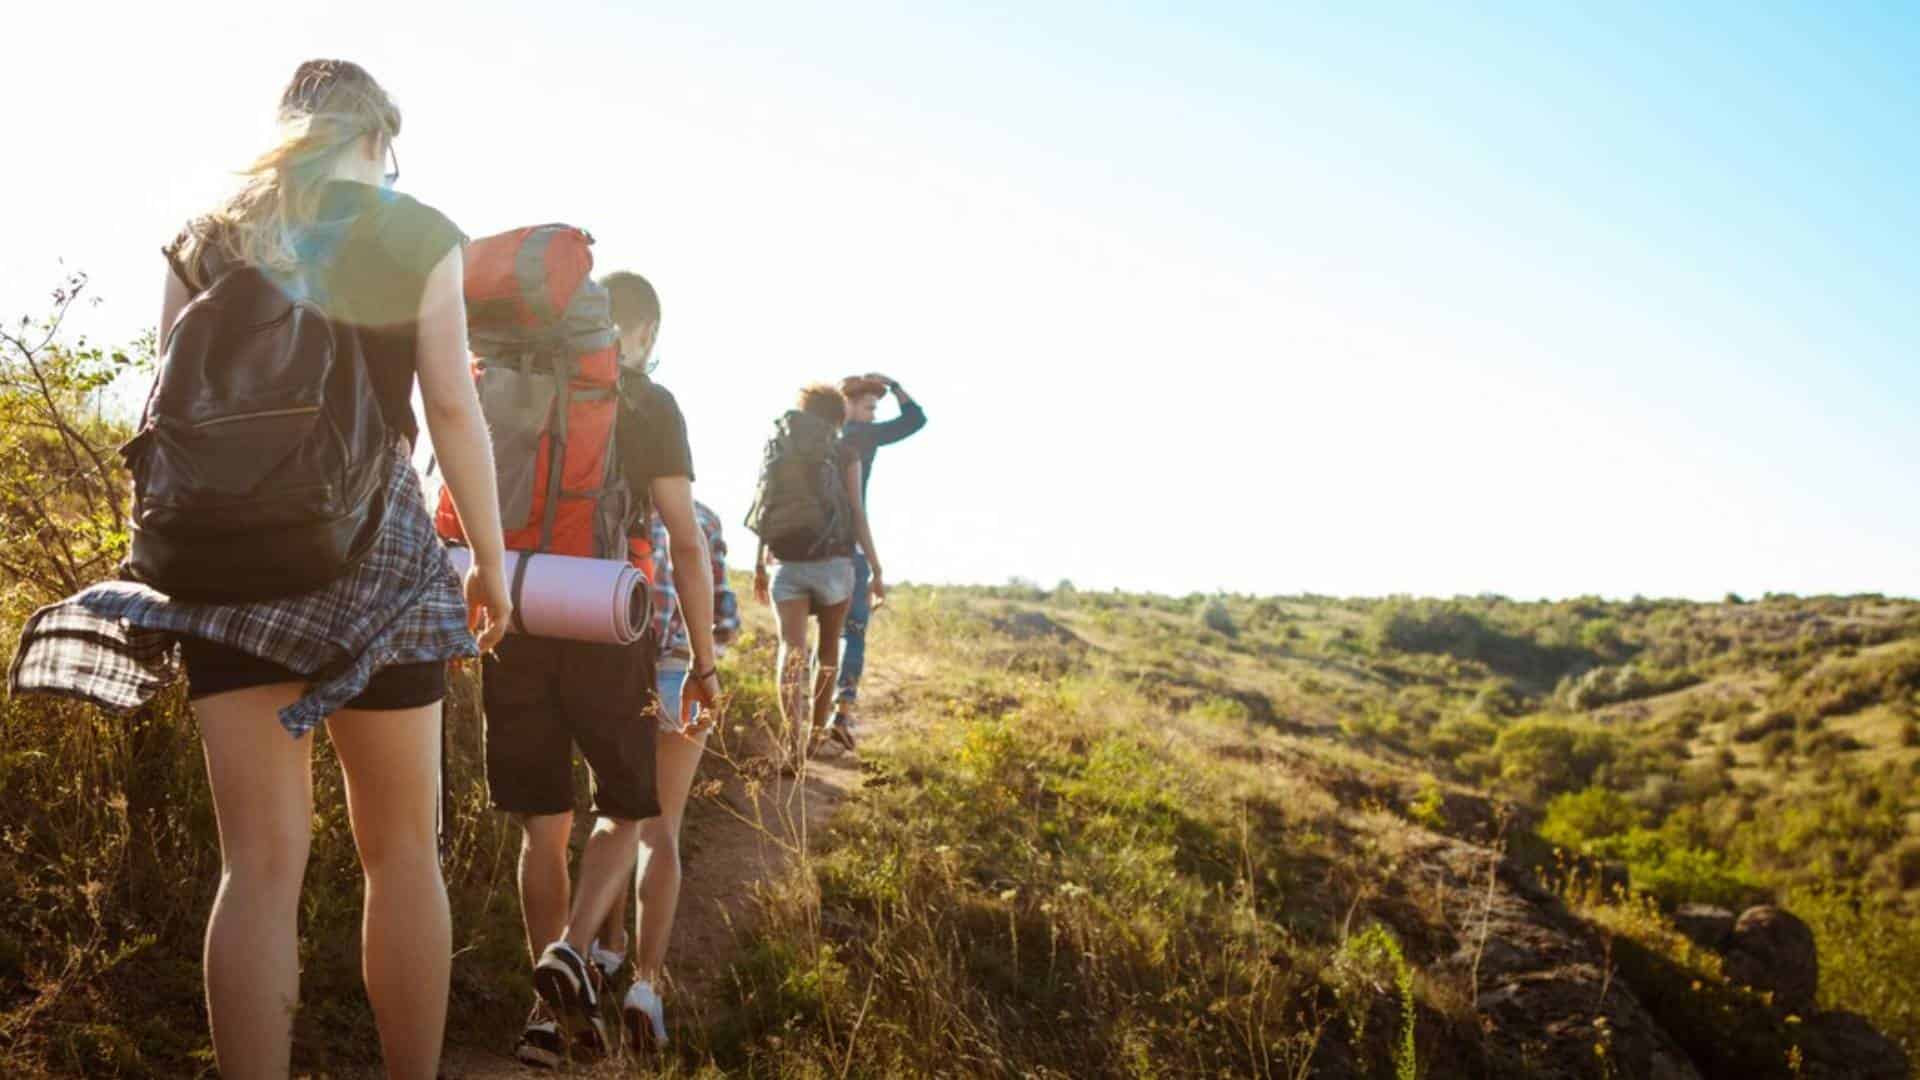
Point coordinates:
[[63, 521], [1215, 617], [1577, 818], [1624, 682], [1543, 755]]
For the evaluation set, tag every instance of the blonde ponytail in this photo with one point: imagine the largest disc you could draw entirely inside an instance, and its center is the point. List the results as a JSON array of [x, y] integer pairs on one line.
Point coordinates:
[[327, 107]]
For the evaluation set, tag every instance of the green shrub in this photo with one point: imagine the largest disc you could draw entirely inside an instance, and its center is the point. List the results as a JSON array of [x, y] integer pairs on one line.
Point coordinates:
[[1869, 957], [1849, 685], [1369, 964], [1222, 710], [1460, 734], [1215, 617], [1775, 746], [1676, 874], [1627, 682], [1576, 818], [1545, 756], [1427, 807]]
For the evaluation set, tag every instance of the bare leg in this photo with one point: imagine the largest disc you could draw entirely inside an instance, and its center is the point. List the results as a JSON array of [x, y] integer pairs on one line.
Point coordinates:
[[613, 930], [826, 672], [792, 665], [676, 759], [544, 882], [604, 868], [391, 761], [262, 782]]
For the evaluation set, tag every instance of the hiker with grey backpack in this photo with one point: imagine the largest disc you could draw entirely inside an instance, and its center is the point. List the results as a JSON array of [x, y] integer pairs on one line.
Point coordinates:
[[807, 512]]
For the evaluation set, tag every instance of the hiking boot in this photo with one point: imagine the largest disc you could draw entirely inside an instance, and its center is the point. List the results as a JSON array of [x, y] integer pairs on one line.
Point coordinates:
[[564, 981], [646, 1018], [842, 728], [540, 1045]]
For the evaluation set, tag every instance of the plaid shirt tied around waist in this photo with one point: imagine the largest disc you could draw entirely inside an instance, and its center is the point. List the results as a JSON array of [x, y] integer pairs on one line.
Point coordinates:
[[113, 644]]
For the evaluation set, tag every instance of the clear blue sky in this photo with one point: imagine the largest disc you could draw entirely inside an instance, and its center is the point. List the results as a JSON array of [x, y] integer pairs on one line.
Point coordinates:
[[1535, 299]]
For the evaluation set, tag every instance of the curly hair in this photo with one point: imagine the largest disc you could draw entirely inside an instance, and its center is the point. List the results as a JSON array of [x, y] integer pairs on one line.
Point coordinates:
[[823, 401]]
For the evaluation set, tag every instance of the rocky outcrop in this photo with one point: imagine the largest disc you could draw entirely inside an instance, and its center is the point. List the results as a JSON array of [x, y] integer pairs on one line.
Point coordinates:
[[1840, 1044], [1771, 950], [1548, 1005], [1707, 925]]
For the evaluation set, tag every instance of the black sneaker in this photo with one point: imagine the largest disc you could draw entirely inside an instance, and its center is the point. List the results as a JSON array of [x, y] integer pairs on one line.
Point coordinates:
[[564, 982], [540, 1045]]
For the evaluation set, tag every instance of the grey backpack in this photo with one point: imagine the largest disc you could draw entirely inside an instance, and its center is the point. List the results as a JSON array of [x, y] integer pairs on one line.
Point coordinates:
[[800, 507]]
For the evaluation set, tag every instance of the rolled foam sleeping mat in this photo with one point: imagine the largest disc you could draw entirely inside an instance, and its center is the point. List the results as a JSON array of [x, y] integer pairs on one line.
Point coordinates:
[[564, 596]]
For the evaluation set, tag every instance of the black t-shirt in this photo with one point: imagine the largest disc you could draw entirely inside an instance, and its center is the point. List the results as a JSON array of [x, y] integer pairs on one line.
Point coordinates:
[[650, 436], [365, 261]]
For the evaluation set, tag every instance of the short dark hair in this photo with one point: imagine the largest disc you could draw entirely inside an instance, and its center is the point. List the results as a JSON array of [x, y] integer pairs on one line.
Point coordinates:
[[825, 402], [635, 304]]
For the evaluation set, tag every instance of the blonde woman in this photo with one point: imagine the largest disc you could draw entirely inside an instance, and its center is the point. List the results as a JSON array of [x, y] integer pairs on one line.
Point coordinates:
[[365, 653]]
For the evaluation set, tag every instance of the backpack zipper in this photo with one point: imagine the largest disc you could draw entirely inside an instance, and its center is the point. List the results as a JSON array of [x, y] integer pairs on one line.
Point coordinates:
[[267, 414]]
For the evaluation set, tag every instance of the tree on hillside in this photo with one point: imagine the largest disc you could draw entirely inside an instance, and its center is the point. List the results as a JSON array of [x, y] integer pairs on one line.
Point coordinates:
[[63, 486]]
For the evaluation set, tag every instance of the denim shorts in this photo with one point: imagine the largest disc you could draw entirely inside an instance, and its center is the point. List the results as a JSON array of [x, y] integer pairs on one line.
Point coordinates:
[[670, 680], [824, 581]]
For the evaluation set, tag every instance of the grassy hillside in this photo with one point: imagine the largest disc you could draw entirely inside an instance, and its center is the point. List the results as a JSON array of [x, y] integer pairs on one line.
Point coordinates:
[[1090, 834], [1131, 835]]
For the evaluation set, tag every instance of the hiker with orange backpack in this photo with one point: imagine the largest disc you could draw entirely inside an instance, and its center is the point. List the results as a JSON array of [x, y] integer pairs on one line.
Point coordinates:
[[583, 442]]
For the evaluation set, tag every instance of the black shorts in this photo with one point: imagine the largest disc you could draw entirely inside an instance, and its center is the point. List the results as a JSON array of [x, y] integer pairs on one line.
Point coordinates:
[[213, 668], [542, 697]]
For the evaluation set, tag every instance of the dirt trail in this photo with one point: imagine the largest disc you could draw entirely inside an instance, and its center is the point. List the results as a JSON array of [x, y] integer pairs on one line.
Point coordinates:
[[743, 826]]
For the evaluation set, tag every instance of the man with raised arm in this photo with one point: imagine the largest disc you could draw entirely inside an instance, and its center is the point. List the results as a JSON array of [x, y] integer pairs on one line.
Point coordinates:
[[866, 436]]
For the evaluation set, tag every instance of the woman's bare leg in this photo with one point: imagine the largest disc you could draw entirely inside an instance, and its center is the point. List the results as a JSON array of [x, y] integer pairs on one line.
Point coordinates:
[[391, 759], [657, 897], [791, 669], [826, 674], [262, 780]]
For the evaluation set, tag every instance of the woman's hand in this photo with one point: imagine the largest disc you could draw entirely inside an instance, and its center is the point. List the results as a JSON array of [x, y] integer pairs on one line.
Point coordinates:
[[706, 692], [877, 587], [762, 591], [489, 604]]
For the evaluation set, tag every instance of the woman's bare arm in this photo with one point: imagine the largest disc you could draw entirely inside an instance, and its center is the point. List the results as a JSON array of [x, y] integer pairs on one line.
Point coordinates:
[[460, 441]]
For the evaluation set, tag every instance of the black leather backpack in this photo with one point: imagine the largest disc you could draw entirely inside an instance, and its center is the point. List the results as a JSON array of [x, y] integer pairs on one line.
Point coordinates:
[[260, 467]]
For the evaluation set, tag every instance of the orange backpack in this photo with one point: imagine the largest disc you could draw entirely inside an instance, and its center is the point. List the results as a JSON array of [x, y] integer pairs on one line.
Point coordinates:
[[547, 366]]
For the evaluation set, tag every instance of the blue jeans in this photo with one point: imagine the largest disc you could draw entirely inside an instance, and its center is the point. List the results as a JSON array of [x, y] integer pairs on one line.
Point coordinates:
[[853, 641]]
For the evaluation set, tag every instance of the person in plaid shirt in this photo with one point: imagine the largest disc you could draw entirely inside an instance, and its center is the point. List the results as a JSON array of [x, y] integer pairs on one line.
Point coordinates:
[[670, 627], [678, 747], [364, 655]]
